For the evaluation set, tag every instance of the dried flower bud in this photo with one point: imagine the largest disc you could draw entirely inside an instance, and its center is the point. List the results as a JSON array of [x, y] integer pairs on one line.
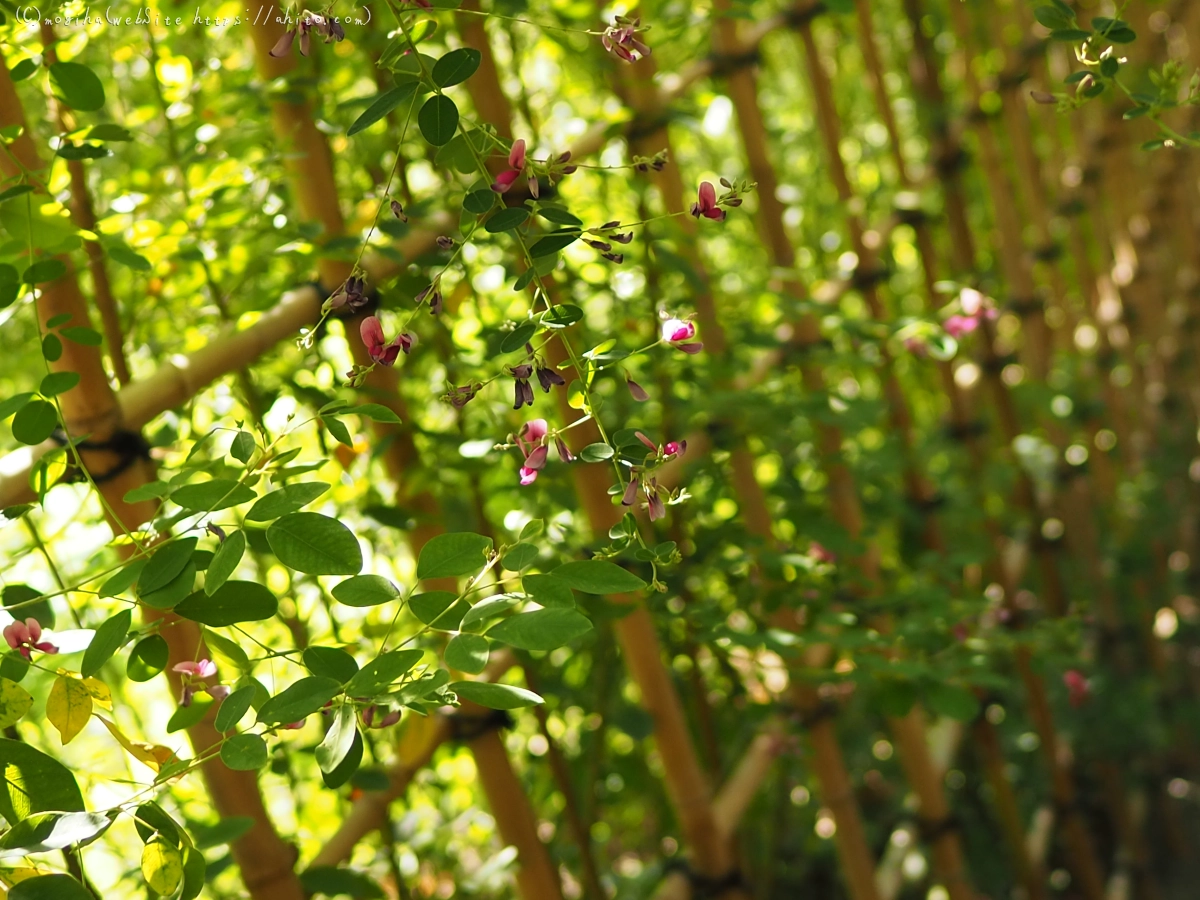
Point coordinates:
[[1043, 97], [398, 211], [446, 243]]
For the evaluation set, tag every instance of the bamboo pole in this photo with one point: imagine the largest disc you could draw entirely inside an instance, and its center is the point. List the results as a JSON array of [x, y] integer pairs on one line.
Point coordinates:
[[91, 408]]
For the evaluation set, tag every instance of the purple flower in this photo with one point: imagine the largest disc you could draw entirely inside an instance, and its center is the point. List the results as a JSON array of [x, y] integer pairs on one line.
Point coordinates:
[[458, 397], [390, 717], [522, 391], [654, 502], [398, 211], [629, 497], [564, 452], [216, 531], [636, 390], [620, 39], [445, 242], [352, 294], [706, 205], [547, 378], [377, 346]]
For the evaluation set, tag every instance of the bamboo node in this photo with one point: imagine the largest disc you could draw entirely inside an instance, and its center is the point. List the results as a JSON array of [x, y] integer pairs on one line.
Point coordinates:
[[705, 887], [128, 446], [468, 727]]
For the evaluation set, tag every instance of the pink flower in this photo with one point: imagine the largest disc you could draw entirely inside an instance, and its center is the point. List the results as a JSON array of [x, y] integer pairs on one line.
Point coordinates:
[[675, 448], [654, 502], [706, 204], [820, 553], [957, 326], [516, 159], [631, 491], [620, 39], [535, 431], [377, 347], [679, 333], [205, 668], [916, 346], [1078, 689], [27, 636], [218, 691]]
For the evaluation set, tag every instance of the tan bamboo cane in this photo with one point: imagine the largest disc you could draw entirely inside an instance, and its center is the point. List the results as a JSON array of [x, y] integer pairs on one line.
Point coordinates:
[[908, 731], [828, 763], [83, 215], [312, 178], [1084, 861], [91, 408]]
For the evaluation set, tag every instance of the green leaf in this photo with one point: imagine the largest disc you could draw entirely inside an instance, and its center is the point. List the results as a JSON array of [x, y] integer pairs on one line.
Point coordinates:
[[35, 422], [244, 752], [379, 673], [51, 347], [14, 403], [479, 202], [152, 819], [23, 69], [558, 216], [15, 702], [467, 653], [147, 658], [225, 831], [17, 190], [299, 700], [433, 608], [365, 590], [1069, 34], [597, 452], [242, 447], [562, 315], [506, 220], [34, 782], [338, 739], [44, 832], [495, 696], [88, 337], [895, 697], [107, 131], [453, 555], [543, 629], [1052, 17], [490, 606], [519, 556], [598, 576], [185, 717], [438, 119], [195, 873], [233, 707], [78, 85], [225, 561], [233, 602], [69, 150], [123, 580], [166, 564], [548, 591], [334, 882], [338, 429], [315, 544], [58, 383], [330, 662], [456, 67], [517, 338], [552, 243], [108, 639], [211, 496], [24, 602], [376, 412], [175, 590], [382, 105], [49, 887], [348, 767], [952, 701], [287, 499]]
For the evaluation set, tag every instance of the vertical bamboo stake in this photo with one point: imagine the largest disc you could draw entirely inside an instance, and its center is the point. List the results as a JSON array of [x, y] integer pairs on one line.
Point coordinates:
[[908, 731], [850, 838], [91, 407]]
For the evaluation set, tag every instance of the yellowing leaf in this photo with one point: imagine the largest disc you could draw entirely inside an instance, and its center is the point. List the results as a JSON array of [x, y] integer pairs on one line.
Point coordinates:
[[14, 702], [420, 737], [153, 755], [68, 707], [162, 866], [99, 692]]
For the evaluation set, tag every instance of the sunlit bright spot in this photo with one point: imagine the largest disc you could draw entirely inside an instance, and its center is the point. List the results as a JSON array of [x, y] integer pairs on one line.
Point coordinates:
[[1166, 623]]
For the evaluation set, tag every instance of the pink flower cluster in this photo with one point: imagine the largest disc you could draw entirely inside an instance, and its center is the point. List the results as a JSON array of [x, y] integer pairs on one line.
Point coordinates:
[[516, 159], [378, 347], [194, 674], [975, 308], [26, 636], [1078, 689], [535, 431]]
